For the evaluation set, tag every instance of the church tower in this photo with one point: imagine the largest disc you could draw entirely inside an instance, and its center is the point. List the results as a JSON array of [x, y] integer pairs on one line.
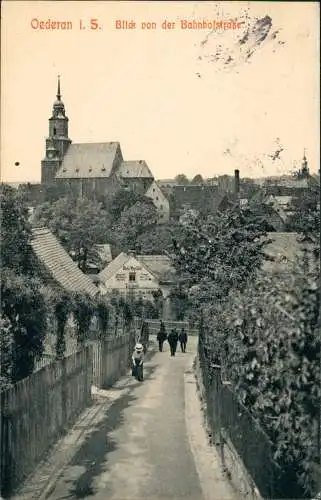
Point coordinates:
[[305, 168], [58, 141]]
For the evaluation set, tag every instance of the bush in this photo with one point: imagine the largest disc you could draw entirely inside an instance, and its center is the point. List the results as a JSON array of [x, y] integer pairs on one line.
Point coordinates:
[[24, 306]]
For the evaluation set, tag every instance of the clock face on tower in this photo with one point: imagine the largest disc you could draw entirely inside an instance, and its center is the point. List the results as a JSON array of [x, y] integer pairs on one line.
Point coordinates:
[[50, 154]]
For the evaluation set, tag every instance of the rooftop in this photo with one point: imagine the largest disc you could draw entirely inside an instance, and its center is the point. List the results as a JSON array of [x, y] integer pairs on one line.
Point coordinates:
[[59, 264], [89, 160], [135, 169]]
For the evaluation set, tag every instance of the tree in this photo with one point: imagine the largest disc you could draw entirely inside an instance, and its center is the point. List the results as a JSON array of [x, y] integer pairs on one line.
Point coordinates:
[[123, 199], [23, 305], [198, 179], [25, 308], [79, 224], [134, 221], [220, 252], [179, 302], [305, 217], [181, 179], [15, 232], [158, 239]]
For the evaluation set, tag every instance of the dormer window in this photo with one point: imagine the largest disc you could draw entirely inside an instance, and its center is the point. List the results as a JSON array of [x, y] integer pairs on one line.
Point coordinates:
[[77, 170], [90, 169], [103, 169], [64, 170]]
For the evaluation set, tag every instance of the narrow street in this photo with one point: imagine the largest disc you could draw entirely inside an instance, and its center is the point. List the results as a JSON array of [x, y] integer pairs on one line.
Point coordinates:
[[141, 448]]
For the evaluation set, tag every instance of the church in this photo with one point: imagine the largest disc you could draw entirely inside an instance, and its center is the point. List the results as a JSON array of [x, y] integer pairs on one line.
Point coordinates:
[[94, 170]]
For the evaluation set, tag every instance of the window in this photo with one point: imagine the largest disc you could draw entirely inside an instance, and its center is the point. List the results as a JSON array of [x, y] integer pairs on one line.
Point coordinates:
[[132, 276], [54, 131]]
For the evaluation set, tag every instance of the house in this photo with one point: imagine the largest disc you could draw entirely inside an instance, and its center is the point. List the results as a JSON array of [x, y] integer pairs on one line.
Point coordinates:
[[94, 170], [57, 266], [140, 275], [135, 175], [160, 201]]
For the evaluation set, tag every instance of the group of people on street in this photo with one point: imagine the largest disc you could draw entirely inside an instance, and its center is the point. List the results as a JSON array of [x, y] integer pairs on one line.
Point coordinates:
[[173, 338], [141, 347]]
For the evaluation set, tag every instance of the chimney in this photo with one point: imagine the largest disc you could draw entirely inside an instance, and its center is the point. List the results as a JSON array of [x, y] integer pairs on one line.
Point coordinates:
[[236, 182]]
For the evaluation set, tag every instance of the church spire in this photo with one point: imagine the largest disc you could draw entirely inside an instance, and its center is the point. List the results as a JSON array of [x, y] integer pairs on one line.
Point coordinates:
[[58, 90]]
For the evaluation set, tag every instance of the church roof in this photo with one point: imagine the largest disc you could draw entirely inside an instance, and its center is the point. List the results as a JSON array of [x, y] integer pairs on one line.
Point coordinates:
[[135, 169], [58, 264], [88, 160]]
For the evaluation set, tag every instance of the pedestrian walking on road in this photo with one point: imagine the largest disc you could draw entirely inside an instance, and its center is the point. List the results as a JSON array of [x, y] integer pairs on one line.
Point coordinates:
[[161, 336], [138, 362], [183, 339], [172, 340]]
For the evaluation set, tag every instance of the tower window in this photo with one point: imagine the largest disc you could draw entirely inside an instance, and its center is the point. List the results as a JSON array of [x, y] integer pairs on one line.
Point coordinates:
[[132, 276], [55, 131]]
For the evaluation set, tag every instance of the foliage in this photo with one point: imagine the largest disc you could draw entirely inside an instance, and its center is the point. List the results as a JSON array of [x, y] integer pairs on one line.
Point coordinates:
[[15, 232], [83, 310], [134, 221], [6, 347], [123, 199], [103, 311], [267, 339], [219, 252], [158, 302], [158, 239], [63, 306], [24, 306], [79, 224], [305, 217], [179, 302], [198, 179], [181, 179]]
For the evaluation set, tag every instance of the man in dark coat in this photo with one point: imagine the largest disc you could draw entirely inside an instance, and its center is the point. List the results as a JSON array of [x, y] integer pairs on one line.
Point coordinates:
[[172, 340], [161, 336], [183, 339]]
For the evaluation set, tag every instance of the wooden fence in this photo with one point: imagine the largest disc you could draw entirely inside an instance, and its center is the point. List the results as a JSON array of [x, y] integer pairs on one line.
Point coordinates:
[[111, 359], [38, 410]]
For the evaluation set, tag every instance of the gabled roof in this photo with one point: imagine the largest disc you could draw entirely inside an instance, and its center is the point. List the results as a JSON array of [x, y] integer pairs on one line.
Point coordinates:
[[59, 264], [114, 266], [89, 160], [159, 265], [134, 170]]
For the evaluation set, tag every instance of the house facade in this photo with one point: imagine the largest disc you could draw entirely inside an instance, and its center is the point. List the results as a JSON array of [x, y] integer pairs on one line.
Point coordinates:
[[160, 201], [138, 276]]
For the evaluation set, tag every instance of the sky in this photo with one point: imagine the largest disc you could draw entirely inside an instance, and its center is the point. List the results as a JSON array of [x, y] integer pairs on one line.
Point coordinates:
[[187, 101]]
